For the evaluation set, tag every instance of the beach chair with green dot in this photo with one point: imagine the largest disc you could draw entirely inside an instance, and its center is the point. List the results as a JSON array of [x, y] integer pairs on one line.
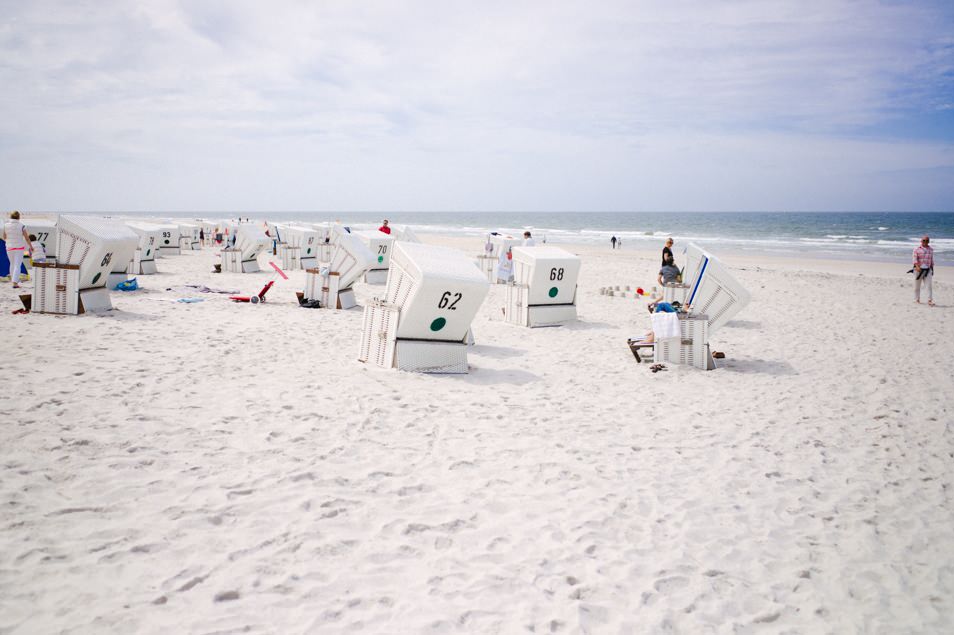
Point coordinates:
[[300, 250], [423, 322], [543, 292], [381, 245], [144, 258], [88, 249]]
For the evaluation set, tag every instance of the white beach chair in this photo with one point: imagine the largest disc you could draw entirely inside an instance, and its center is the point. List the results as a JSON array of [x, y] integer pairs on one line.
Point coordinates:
[[404, 233], [301, 247], [380, 245], [331, 284], [423, 322], [45, 232], [169, 239], [543, 292], [250, 241], [88, 248], [714, 298], [189, 237], [144, 258]]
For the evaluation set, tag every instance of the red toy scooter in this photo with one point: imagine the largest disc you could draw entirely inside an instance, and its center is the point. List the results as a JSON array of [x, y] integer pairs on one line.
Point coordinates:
[[254, 299]]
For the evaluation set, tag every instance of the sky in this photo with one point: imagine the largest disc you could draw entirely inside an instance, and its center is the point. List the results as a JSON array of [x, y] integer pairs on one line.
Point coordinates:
[[670, 105]]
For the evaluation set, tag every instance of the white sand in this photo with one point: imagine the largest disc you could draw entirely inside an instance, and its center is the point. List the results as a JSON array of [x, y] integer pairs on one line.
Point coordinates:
[[218, 468]]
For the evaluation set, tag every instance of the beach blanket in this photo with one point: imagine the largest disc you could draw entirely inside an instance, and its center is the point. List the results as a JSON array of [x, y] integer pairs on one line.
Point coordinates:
[[201, 288], [665, 325]]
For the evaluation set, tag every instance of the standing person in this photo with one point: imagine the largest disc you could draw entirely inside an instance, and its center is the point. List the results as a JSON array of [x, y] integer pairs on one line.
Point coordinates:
[[667, 250], [202, 236], [923, 257], [528, 240], [384, 227], [18, 244], [613, 241]]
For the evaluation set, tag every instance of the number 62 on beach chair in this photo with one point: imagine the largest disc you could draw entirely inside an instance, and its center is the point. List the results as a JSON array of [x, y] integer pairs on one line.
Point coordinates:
[[423, 322]]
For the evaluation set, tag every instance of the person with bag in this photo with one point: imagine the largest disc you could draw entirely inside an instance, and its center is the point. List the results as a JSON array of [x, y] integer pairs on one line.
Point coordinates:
[[923, 257]]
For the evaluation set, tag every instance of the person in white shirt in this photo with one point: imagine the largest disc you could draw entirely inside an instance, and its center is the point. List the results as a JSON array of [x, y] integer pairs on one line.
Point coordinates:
[[18, 244], [528, 240]]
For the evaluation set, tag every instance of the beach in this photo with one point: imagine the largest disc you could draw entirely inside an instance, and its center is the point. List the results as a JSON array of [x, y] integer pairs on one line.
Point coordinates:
[[214, 467]]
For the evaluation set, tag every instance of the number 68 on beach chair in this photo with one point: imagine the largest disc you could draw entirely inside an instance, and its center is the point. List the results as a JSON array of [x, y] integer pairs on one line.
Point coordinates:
[[423, 322]]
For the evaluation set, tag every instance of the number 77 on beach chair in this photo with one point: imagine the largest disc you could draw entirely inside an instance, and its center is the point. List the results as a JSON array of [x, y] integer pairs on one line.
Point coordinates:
[[423, 322]]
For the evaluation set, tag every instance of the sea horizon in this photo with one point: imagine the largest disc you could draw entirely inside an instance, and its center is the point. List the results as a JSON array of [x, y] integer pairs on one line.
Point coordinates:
[[874, 236]]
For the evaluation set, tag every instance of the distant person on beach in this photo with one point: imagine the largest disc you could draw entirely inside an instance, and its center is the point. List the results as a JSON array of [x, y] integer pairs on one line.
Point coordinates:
[[923, 257], [18, 244], [384, 227], [528, 240], [667, 250], [613, 241], [202, 236]]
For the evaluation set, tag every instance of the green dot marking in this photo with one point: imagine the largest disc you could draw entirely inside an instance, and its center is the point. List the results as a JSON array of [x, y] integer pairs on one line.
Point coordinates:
[[438, 324], [148, 251], [167, 241], [309, 250], [553, 292], [380, 258], [96, 277]]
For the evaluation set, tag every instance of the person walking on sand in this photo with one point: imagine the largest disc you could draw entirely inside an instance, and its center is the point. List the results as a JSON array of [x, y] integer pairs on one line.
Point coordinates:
[[18, 244], [667, 250], [613, 241], [923, 257]]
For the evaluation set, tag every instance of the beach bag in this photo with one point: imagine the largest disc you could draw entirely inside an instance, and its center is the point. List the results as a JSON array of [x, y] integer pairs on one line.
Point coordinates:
[[128, 285]]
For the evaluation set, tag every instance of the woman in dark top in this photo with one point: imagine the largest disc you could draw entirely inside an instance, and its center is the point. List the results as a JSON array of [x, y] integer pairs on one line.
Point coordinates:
[[667, 250]]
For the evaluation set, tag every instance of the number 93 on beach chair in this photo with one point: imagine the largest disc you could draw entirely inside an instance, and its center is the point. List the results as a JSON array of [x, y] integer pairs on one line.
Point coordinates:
[[88, 250], [423, 322]]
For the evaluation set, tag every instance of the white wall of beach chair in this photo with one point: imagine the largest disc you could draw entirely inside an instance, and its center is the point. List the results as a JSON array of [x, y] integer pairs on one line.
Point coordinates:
[[45, 232], [87, 248], [543, 292], [168, 239], [331, 284], [381, 245], [305, 240], [250, 242], [189, 236], [423, 322], [325, 241], [144, 258]]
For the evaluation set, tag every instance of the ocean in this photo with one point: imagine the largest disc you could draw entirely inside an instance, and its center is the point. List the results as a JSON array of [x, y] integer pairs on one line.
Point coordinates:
[[883, 236]]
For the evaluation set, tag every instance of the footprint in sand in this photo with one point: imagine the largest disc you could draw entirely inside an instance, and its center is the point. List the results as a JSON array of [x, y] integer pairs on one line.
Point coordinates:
[[668, 585]]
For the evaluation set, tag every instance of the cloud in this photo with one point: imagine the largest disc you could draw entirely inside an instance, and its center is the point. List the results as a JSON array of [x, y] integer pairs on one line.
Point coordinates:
[[437, 105]]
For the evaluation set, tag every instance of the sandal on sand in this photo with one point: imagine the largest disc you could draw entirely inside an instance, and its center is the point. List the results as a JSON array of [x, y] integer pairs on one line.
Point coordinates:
[[930, 302]]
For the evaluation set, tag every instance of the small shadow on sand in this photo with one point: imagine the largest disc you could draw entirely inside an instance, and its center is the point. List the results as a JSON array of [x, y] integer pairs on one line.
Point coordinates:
[[497, 352], [492, 376], [744, 324], [757, 366], [583, 325]]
